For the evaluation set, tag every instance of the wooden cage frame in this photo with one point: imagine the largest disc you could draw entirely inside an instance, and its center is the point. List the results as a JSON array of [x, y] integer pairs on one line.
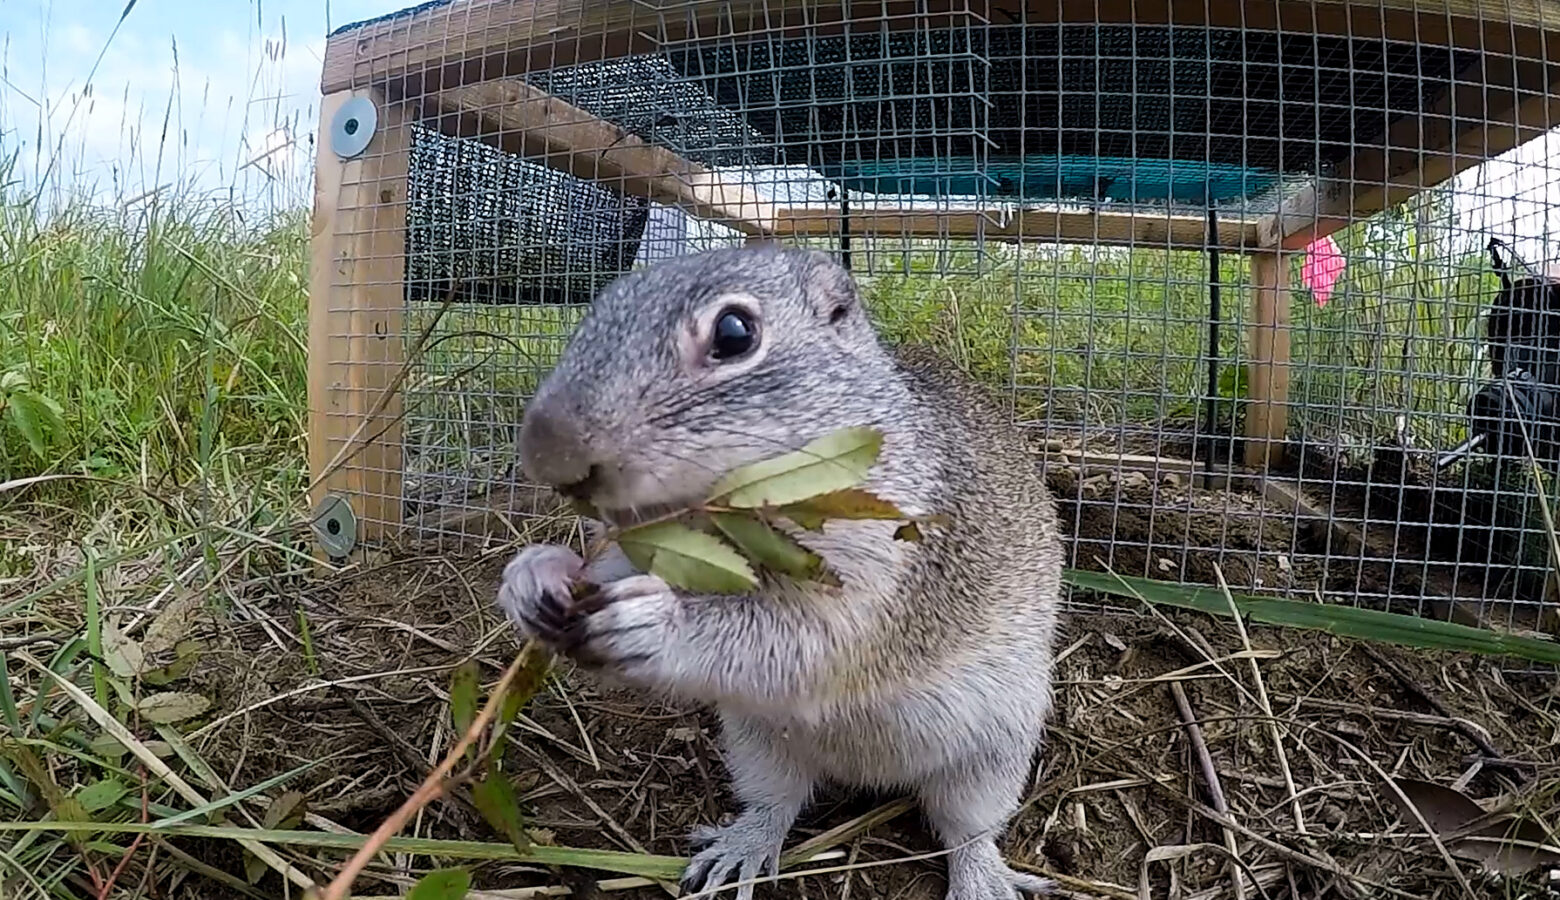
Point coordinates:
[[455, 66]]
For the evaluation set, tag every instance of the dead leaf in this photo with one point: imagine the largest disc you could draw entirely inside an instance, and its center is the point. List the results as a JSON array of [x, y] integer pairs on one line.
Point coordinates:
[[123, 655], [171, 706], [1501, 843]]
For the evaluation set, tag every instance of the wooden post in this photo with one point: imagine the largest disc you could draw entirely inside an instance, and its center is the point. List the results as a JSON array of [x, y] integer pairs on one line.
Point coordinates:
[[1267, 412], [356, 295]]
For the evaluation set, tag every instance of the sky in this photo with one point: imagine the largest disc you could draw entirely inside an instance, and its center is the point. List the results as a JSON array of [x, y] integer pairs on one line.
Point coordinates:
[[221, 96], [213, 84]]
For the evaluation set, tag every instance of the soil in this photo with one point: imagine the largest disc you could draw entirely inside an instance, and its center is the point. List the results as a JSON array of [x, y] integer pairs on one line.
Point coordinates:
[[610, 769]]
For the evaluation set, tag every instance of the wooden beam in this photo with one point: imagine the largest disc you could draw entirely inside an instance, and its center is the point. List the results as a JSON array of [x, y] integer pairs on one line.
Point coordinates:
[[1503, 104], [1267, 412], [521, 119], [356, 294], [1147, 230], [433, 47]]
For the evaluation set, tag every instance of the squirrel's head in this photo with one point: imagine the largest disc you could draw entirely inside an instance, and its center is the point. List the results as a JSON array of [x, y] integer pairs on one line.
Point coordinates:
[[689, 368]]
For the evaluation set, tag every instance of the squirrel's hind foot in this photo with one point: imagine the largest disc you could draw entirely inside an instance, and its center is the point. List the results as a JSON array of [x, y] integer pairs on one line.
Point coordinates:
[[748, 848], [978, 873]]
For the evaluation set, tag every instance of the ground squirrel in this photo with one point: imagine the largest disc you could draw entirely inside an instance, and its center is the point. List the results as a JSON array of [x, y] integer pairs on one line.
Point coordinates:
[[928, 670]]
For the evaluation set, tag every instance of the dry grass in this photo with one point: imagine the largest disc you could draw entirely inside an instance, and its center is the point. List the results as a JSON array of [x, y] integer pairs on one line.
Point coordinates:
[[362, 693]]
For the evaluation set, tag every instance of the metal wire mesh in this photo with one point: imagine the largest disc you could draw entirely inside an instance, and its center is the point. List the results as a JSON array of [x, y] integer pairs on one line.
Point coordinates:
[[1084, 213]]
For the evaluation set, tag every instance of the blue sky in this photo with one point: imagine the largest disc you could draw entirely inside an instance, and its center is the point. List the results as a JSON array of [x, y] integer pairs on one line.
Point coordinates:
[[244, 84]]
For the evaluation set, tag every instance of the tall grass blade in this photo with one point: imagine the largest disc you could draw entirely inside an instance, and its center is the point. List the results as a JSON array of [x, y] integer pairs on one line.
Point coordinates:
[[1344, 621]]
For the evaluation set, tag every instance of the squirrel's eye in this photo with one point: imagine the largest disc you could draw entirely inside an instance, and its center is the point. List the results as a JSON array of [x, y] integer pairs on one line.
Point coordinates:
[[735, 335]]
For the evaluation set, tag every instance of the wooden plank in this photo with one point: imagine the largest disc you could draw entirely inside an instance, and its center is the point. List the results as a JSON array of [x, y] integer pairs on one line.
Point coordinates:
[[1503, 104], [356, 295], [1149, 230], [436, 47], [529, 122], [1267, 412]]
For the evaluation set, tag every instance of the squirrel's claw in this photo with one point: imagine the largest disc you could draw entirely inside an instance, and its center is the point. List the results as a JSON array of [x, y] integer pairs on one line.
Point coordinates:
[[623, 625], [748, 848], [535, 593], [984, 876]]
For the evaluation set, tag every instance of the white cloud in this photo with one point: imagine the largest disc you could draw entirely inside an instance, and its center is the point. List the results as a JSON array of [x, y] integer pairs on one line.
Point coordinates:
[[231, 113]]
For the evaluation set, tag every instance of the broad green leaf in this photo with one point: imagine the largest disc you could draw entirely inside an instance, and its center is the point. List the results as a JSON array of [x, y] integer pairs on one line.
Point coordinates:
[[463, 700], [769, 548], [101, 794], [36, 418], [107, 747], [122, 654], [831, 463], [496, 800], [907, 532], [441, 884], [851, 503], [171, 706], [689, 559], [1345, 621]]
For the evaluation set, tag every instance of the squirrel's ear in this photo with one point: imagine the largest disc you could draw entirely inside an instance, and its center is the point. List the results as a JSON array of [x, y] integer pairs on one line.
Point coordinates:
[[830, 288]]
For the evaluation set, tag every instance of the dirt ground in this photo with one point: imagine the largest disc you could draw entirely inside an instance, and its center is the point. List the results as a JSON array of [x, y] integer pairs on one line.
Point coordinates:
[[1117, 783]]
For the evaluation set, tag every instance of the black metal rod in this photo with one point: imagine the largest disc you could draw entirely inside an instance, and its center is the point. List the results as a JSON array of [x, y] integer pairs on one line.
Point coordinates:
[[844, 227], [1213, 328]]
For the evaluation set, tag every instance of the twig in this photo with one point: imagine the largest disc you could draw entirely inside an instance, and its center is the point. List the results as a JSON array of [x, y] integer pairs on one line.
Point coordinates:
[[124, 859], [1078, 885], [573, 787], [1468, 730], [1267, 707], [403, 749], [437, 781], [1211, 779]]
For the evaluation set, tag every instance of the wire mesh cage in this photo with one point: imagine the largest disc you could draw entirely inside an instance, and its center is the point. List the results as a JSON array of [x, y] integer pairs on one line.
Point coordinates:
[[1265, 281]]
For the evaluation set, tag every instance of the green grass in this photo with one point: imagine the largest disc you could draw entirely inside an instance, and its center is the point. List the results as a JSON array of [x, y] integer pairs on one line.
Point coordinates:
[[171, 341]]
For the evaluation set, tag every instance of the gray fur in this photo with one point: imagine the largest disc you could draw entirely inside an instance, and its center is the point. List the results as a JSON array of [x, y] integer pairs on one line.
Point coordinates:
[[929, 670]]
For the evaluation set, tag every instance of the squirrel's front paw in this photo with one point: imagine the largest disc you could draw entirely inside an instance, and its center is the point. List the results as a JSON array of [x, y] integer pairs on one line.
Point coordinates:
[[536, 594], [625, 624]]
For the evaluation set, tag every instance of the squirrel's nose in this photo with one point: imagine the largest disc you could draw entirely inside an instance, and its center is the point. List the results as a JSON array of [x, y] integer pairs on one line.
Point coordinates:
[[552, 449]]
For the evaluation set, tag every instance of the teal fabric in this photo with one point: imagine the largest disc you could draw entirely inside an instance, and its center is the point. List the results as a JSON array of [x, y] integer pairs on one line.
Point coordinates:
[[1059, 178]]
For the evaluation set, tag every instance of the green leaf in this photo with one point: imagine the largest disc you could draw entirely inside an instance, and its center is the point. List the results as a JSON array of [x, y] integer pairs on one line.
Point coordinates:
[[101, 794], [851, 503], [108, 747], [441, 884], [831, 463], [907, 532], [767, 547], [1345, 621], [643, 865], [186, 653], [495, 798], [463, 700], [687, 558], [171, 706], [36, 418]]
